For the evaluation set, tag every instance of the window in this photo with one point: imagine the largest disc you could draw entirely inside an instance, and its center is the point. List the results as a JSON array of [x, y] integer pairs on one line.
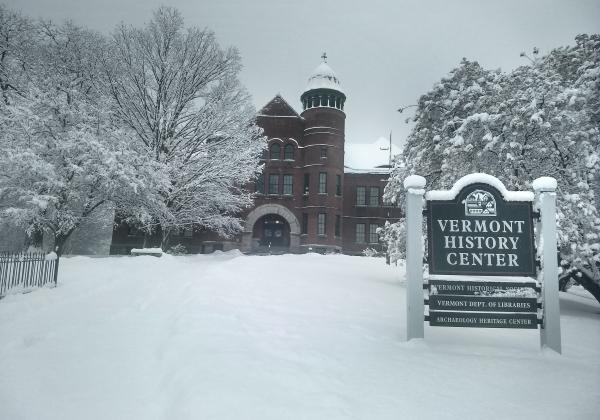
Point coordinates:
[[188, 232], [275, 151], [288, 181], [288, 152], [323, 152], [273, 184], [338, 185], [338, 225], [373, 236], [306, 183], [360, 233], [374, 196], [260, 184], [304, 223], [322, 182], [321, 224], [361, 198]]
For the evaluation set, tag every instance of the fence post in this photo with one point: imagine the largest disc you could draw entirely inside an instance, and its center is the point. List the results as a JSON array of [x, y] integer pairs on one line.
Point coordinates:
[[545, 189], [415, 308], [56, 269]]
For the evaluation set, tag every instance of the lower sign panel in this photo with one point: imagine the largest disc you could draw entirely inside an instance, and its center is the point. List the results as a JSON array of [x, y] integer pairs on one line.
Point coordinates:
[[482, 320], [482, 303], [481, 288]]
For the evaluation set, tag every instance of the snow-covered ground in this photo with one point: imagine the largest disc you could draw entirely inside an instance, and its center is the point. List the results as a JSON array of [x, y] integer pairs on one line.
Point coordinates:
[[228, 336]]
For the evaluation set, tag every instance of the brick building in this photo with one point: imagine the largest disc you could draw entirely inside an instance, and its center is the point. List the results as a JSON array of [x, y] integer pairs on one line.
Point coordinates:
[[306, 198]]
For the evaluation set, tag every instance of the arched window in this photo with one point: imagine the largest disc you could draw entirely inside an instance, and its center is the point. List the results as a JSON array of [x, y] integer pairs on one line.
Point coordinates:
[[288, 152], [275, 151]]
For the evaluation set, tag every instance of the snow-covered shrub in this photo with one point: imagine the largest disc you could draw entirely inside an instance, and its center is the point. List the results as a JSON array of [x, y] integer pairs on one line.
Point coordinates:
[[178, 249]]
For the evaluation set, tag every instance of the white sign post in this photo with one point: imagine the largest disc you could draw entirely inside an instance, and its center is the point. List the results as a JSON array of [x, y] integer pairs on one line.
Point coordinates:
[[545, 190], [415, 307]]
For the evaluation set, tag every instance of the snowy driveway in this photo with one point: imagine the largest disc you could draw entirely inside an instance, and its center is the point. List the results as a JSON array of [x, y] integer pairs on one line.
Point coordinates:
[[227, 336]]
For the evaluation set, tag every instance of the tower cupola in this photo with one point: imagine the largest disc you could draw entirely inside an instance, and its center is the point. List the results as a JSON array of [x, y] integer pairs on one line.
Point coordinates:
[[323, 89]]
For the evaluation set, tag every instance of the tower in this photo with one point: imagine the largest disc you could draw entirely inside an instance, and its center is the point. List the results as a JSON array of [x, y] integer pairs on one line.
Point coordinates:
[[323, 159]]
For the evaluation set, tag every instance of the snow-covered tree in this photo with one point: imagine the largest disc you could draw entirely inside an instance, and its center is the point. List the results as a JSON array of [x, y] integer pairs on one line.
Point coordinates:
[[16, 42], [180, 93], [62, 156], [542, 119]]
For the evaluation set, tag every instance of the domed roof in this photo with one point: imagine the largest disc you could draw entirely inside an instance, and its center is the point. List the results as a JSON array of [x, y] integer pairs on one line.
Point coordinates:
[[323, 77]]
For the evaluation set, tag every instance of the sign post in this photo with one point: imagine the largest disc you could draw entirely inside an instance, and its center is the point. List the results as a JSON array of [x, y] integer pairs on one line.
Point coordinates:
[[545, 189], [479, 228], [415, 306]]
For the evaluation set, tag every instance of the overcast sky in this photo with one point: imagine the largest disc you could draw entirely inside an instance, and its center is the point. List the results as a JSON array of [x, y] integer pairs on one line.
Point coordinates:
[[386, 53]]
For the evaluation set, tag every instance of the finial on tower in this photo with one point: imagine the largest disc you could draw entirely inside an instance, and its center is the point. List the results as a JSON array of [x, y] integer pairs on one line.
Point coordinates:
[[324, 57]]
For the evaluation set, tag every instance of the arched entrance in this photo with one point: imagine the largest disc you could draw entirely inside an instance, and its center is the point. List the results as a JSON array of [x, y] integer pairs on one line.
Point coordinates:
[[272, 232], [271, 228]]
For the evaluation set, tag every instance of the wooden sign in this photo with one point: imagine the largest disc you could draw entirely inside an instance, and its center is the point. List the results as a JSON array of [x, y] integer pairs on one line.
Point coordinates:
[[483, 320], [482, 303], [480, 228], [479, 232]]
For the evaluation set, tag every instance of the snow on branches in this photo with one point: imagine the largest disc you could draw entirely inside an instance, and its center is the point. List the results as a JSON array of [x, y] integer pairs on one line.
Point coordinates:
[[152, 122], [62, 157], [542, 119], [179, 92]]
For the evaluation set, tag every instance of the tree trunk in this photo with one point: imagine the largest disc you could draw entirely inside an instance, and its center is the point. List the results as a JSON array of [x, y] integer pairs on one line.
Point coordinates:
[[60, 241], [586, 278], [59, 244], [165, 238]]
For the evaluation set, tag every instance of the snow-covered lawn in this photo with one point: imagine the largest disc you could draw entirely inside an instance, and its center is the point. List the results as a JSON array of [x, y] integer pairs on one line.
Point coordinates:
[[227, 336]]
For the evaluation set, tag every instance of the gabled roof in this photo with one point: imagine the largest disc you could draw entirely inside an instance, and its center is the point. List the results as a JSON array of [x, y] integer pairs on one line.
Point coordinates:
[[278, 107]]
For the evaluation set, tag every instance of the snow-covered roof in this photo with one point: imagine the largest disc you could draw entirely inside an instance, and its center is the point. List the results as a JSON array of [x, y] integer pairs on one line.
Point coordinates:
[[369, 157], [278, 107], [323, 77]]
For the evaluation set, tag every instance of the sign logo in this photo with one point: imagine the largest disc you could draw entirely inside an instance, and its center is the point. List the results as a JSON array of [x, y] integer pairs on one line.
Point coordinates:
[[480, 203]]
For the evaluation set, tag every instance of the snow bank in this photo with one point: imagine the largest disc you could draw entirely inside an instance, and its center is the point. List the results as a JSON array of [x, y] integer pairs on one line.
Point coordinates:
[[226, 336]]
